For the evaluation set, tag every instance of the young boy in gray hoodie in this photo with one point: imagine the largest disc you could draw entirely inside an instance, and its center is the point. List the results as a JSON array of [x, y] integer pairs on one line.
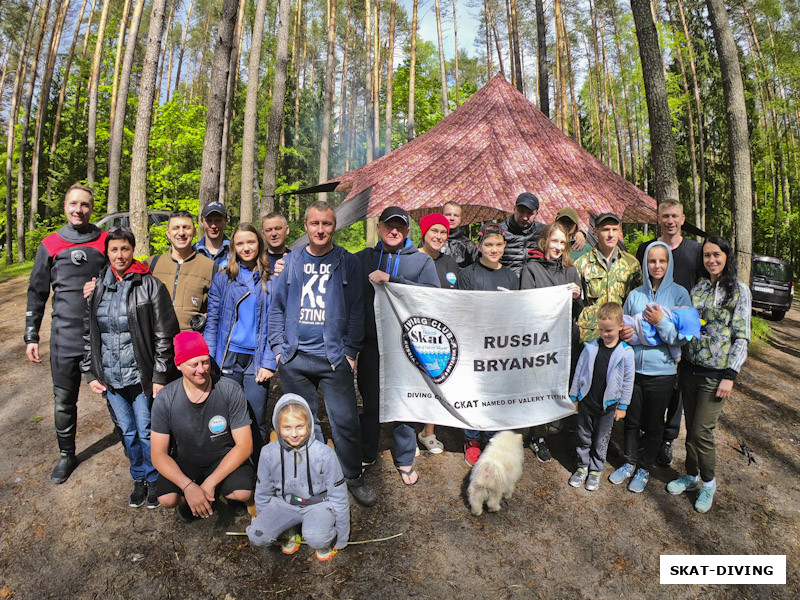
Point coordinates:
[[300, 485]]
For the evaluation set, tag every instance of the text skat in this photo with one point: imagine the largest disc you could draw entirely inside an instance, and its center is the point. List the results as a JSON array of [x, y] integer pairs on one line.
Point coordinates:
[[515, 341], [511, 364]]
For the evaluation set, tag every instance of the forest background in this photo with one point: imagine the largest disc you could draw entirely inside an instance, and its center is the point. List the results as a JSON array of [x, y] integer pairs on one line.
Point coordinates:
[[166, 104]]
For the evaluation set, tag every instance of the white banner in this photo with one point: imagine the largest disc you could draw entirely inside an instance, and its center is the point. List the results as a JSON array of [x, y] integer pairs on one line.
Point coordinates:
[[475, 360]]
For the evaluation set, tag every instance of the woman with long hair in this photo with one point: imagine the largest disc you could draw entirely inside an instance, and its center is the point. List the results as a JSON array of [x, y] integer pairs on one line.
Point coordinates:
[[710, 364], [129, 328], [236, 325]]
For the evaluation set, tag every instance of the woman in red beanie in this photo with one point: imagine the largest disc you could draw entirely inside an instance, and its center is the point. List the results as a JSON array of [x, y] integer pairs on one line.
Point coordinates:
[[435, 228]]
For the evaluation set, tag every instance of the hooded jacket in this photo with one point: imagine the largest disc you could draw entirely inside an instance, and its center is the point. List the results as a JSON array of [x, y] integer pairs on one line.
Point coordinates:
[[309, 470], [619, 377], [518, 241], [539, 272], [151, 322], [656, 360], [343, 330], [460, 247], [224, 298], [408, 265]]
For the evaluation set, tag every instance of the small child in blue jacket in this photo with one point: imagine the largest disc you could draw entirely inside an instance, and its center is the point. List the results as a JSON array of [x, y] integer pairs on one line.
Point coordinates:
[[300, 483], [601, 390]]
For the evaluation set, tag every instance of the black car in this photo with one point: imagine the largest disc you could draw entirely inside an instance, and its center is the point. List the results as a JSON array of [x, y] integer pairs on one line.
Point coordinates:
[[771, 285], [122, 219]]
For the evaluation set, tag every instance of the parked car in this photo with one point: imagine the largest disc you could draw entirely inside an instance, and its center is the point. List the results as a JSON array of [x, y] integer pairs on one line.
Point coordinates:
[[771, 285], [122, 219]]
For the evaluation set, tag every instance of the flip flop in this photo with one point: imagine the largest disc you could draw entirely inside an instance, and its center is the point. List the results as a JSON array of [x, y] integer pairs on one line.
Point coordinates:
[[408, 474]]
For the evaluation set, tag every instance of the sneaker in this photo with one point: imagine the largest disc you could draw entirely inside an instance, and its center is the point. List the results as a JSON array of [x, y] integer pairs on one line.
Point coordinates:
[[185, 514], [705, 498], [639, 481], [363, 494], [138, 494], [621, 474], [684, 483], [64, 467], [430, 443], [593, 481], [542, 451], [290, 541], [472, 452], [324, 554], [664, 457], [239, 508], [152, 496], [578, 477]]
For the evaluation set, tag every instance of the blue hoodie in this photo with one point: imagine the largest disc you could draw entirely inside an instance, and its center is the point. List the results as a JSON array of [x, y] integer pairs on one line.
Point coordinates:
[[656, 360]]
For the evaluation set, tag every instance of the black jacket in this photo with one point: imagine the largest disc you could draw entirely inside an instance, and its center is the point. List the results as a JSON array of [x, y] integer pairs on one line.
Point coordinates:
[[539, 272], [460, 247], [518, 242], [152, 323]]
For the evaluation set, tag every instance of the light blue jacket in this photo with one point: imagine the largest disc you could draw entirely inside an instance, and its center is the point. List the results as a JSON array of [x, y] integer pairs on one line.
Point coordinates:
[[656, 360], [619, 377]]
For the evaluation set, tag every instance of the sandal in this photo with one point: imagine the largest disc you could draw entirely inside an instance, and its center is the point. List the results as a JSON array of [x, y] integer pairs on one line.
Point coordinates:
[[430, 443], [409, 474]]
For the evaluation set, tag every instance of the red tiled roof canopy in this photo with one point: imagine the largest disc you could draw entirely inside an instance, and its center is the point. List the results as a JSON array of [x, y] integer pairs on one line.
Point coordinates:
[[492, 148]]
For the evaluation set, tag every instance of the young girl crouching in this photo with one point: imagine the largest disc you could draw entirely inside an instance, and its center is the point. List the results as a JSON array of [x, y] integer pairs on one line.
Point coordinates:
[[300, 485]]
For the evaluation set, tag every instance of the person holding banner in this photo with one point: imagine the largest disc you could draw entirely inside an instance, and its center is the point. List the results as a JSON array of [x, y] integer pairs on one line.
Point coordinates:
[[435, 228], [394, 259], [548, 266], [485, 275]]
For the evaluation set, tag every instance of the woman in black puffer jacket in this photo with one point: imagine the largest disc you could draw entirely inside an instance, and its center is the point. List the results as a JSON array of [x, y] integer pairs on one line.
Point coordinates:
[[128, 333], [551, 265]]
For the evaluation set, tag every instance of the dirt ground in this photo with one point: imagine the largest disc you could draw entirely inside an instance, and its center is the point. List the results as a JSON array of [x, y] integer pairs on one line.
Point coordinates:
[[80, 539]]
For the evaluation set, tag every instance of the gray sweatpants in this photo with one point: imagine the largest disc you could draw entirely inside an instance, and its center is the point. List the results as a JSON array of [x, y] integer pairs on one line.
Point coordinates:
[[594, 433], [318, 523]]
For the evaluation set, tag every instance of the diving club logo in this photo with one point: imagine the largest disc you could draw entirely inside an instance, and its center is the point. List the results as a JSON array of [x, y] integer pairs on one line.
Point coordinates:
[[431, 346]]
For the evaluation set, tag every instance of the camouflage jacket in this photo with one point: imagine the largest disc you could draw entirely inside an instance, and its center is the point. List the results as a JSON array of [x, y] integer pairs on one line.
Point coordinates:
[[601, 285], [723, 342]]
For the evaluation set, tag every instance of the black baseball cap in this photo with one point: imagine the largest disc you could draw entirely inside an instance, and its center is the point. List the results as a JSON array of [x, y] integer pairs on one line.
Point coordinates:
[[394, 212], [607, 216], [528, 200], [490, 229], [214, 207]]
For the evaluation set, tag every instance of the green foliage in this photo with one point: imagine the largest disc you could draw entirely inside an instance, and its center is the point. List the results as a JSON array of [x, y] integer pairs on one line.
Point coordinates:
[[14, 270], [760, 332]]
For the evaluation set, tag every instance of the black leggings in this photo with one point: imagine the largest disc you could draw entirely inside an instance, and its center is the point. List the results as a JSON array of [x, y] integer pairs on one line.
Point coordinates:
[[651, 396]]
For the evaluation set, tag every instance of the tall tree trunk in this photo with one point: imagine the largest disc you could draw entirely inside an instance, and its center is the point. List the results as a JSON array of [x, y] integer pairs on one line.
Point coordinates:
[[141, 138], [497, 42], [541, 58], [329, 92], [575, 109], [23, 143], [16, 100], [298, 66], [738, 135], [183, 45], [488, 29], [217, 92], [368, 94], [624, 78], [249, 141], [390, 77], [515, 47], [94, 87], [163, 58], [233, 74], [44, 105], [268, 184], [345, 132], [442, 69], [455, 47], [665, 170], [412, 73], [512, 68], [376, 79], [123, 22], [116, 139], [561, 80]]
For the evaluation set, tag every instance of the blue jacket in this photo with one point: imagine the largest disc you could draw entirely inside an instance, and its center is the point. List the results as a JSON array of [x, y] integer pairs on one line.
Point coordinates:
[[619, 378], [656, 360], [408, 265], [224, 298], [343, 330]]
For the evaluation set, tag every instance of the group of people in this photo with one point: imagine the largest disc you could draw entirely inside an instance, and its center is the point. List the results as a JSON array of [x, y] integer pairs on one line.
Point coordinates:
[[184, 344]]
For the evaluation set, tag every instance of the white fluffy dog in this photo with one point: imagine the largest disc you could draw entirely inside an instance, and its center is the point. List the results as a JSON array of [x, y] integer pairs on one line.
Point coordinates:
[[496, 473]]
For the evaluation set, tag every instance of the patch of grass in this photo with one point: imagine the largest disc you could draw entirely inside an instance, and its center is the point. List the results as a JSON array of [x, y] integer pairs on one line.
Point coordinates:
[[15, 270], [760, 331], [37, 419]]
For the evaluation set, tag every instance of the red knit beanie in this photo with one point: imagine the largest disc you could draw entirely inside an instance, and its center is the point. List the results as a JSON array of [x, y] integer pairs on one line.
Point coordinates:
[[433, 219], [188, 345]]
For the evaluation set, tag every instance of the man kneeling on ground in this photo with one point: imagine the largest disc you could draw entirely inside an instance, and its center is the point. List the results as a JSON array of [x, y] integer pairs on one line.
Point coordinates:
[[206, 416]]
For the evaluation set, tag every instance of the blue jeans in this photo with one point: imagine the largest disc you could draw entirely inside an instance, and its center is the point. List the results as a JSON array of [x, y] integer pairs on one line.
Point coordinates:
[[242, 369], [482, 437], [302, 375], [132, 408]]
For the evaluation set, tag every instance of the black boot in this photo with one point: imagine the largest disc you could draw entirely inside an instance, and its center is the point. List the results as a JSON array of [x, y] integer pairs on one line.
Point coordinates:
[[363, 494], [66, 465]]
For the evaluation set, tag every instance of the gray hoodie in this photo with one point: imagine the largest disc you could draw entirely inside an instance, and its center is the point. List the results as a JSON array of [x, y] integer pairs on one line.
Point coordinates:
[[308, 470]]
